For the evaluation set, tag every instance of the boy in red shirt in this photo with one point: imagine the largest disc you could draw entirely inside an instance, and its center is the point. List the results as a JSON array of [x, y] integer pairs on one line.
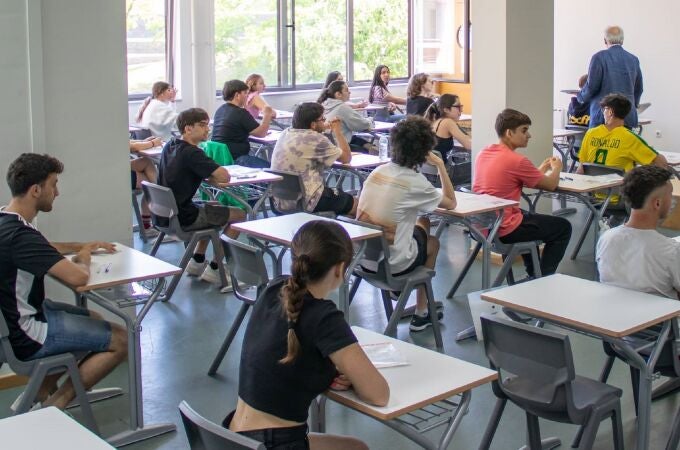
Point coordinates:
[[501, 171]]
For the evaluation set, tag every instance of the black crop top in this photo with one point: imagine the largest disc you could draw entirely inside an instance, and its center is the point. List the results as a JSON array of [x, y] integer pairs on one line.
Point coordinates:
[[287, 390]]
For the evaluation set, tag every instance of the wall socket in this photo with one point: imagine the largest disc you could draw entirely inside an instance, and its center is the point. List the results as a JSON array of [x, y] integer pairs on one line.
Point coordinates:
[[657, 133]]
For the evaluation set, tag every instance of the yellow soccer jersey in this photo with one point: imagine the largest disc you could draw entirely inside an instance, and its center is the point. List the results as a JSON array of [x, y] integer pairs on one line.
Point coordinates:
[[619, 147]]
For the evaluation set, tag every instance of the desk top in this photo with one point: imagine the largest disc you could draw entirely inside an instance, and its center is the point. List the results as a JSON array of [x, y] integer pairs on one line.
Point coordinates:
[[464, 117], [644, 121], [281, 114], [154, 152], [48, 428], [241, 175], [470, 204], [271, 137], [673, 158], [575, 182], [586, 305], [362, 161], [382, 126], [281, 229], [372, 107], [126, 265], [570, 91], [561, 132], [445, 376]]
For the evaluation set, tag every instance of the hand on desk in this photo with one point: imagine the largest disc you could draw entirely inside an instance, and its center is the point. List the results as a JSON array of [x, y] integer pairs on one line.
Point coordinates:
[[156, 141], [84, 254], [341, 383]]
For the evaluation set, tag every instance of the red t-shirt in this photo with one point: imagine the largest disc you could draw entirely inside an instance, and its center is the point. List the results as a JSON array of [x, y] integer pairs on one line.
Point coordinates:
[[503, 172]]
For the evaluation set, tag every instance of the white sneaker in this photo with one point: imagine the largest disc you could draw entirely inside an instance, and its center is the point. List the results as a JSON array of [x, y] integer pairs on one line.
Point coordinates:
[[195, 269], [211, 275], [151, 232]]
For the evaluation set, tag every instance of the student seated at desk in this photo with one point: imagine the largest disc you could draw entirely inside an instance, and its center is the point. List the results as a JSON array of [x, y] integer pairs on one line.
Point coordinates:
[[419, 94], [298, 345], [635, 255], [143, 169], [39, 327], [255, 104], [444, 114], [393, 196], [612, 144], [337, 76], [501, 171], [304, 149], [233, 124], [157, 113], [334, 100], [184, 166], [380, 95], [579, 113]]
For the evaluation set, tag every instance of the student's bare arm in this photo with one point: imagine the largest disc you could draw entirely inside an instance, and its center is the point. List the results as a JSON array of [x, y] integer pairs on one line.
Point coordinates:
[[368, 383], [262, 130], [448, 200], [219, 177], [550, 180]]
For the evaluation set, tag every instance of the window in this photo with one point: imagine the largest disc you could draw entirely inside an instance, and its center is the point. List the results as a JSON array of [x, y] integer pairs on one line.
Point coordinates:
[[145, 45], [438, 29]]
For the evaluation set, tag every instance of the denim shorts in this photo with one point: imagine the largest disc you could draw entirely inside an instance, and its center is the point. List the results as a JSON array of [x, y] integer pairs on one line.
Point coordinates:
[[71, 329]]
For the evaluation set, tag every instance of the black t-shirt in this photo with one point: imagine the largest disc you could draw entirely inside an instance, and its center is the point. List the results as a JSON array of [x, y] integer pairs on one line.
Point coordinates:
[[418, 104], [287, 390], [25, 258], [183, 167], [232, 126]]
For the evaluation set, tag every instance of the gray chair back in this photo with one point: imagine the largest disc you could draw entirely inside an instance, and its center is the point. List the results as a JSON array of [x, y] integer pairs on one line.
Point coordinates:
[[204, 434], [247, 267], [290, 189], [541, 357], [599, 169], [164, 210], [140, 134]]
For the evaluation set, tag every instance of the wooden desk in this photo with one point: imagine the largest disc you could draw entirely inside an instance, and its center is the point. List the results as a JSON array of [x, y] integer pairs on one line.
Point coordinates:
[[607, 312], [47, 428], [246, 183], [281, 229], [123, 267], [570, 91], [673, 158], [266, 143], [447, 377], [360, 167], [152, 153], [281, 114], [381, 127]]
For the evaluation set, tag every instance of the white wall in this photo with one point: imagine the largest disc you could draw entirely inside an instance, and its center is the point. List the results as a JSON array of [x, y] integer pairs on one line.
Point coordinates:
[[650, 34]]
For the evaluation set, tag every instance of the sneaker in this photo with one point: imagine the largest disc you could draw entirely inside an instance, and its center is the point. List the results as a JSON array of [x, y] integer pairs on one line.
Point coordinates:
[[211, 275], [419, 323], [151, 232], [195, 269], [15, 405]]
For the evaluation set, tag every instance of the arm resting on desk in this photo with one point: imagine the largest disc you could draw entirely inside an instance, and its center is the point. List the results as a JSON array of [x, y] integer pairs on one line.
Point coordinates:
[[74, 274], [368, 383], [219, 177], [551, 179]]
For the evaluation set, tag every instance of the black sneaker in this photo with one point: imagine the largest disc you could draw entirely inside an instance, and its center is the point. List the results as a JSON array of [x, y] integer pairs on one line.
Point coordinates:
[[419, 323]]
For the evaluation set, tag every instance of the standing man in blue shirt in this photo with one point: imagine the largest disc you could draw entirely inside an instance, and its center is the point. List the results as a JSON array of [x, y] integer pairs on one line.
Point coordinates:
[[612, 71]]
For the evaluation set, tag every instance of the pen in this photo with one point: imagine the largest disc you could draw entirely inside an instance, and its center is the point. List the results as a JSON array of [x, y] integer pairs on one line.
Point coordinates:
[[566, 178], [108, 267]]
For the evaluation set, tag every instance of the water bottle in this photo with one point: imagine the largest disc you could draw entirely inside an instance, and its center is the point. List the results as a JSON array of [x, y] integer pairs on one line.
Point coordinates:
[[383, 148]]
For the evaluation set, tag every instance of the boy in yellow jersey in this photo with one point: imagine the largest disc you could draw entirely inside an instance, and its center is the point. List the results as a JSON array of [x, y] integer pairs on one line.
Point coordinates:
[[612, 144]]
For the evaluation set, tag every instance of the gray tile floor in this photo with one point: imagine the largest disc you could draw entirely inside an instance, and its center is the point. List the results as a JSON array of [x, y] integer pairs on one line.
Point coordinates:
[[180, 338]]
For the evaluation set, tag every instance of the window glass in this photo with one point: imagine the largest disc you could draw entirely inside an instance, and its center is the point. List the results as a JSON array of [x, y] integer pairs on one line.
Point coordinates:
[[145, 44], [380, 37]]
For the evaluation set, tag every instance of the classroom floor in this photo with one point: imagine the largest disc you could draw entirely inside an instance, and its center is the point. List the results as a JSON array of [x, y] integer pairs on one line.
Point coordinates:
[[180, 338]]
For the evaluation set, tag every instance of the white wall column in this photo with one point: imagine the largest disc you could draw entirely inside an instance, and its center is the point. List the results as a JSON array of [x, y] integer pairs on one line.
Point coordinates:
[[513, 64], [203, 35]]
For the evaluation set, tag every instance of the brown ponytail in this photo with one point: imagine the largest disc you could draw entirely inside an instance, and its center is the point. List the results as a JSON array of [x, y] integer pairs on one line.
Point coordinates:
[[157, 89], [317, 247]]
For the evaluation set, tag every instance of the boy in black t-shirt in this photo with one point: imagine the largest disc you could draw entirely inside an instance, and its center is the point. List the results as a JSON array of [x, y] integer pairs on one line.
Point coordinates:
[[40, 327], [183, 168]]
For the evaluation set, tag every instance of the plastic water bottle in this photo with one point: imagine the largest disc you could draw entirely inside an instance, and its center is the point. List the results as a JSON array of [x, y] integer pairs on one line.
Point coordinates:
[[383, 148]]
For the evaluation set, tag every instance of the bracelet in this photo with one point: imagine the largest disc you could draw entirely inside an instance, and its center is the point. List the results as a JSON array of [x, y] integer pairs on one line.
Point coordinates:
[[151, 144]]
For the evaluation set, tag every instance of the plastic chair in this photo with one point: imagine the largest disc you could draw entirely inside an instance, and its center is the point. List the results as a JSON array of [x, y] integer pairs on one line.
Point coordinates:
[[247, 268], [164, 216], [204, 434], [374, 269], [140, 134], [536, 372], [619, 209], [138, 215], [289, 190], [36, 371]]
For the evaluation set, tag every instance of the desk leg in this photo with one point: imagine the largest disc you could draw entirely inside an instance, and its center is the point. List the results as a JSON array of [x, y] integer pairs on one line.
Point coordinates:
[[563, 211], [137, 431], [597, 216], [646, 370], [343, 301]]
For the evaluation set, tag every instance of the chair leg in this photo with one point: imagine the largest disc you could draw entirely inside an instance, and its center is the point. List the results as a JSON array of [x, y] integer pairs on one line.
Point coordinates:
[[590, 430], [617, 426], [354, 288], [466, 269], [507, 265], [582, 238], [674, 439], [81, 396], [138, 216], [533, 432], [387, 303], [606, 370], [170, 289], [491, 427], [218, 253], [157, 243], [391, 329], [228, 338], [432, 307], [635, 380], [536, 260]]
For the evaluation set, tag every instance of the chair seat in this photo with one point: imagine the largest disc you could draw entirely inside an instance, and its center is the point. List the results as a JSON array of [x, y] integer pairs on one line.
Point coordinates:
[[538, 400], [418, 275], [504, 249]]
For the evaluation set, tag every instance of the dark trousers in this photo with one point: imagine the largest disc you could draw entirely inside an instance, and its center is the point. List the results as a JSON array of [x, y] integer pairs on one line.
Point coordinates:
[[555, 232]]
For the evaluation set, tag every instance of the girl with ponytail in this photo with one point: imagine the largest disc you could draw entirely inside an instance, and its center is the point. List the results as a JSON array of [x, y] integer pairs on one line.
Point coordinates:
[[334, 101], [157, 113], [297, 345]]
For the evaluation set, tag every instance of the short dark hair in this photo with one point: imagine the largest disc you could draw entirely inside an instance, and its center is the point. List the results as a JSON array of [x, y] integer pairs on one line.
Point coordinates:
[[641, 181], [29, 169], [233, 87], [510, 119], [191, 116], [411, 141], [305, 114], [619, 104]]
